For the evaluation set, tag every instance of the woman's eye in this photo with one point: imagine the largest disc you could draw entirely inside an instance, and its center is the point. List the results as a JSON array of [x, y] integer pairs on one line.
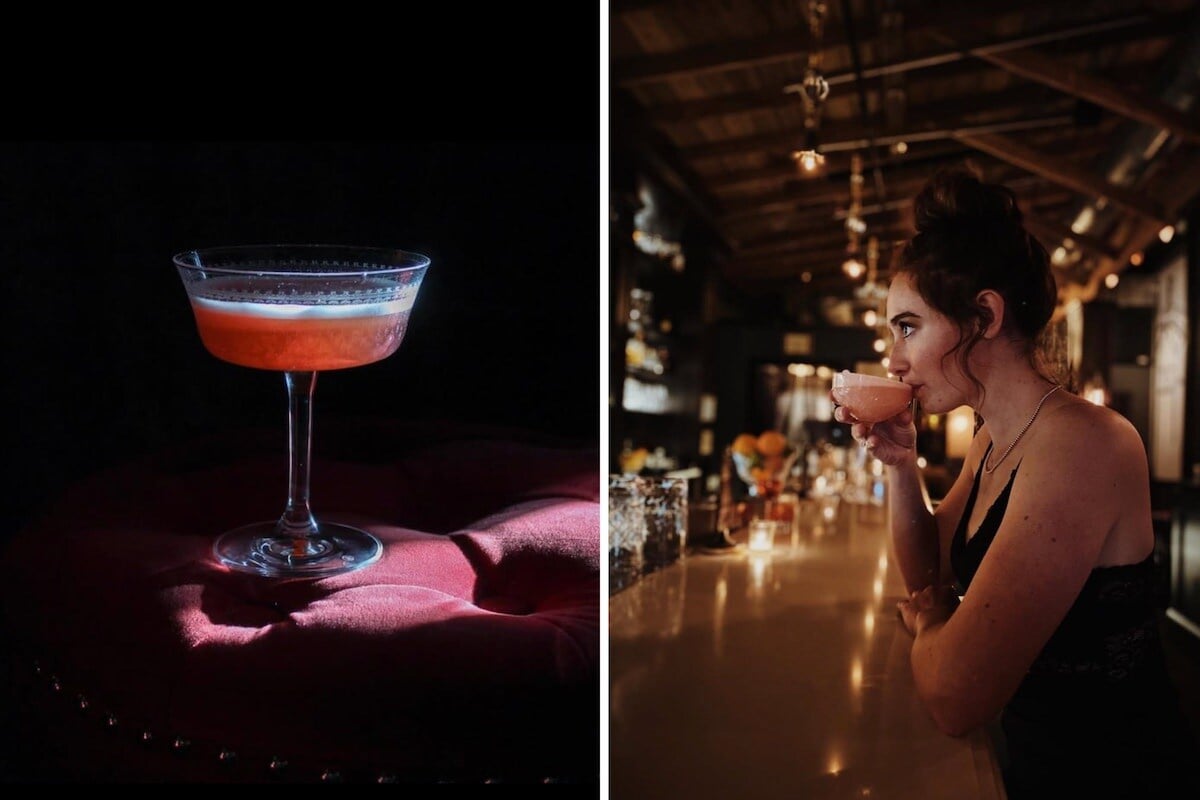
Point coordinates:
[[905, 329]]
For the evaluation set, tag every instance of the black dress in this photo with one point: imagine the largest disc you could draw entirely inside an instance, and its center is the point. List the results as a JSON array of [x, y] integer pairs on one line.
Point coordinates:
[[1096, 715]]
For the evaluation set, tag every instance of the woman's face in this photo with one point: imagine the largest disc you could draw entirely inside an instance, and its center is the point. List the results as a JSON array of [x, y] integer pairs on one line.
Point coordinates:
[[921, 340]]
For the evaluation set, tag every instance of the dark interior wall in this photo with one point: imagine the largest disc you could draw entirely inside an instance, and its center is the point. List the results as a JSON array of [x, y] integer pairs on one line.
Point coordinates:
[[102, 361]]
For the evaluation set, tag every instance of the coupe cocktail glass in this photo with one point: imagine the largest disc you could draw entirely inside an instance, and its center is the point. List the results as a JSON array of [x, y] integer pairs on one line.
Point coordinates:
[[300, 309], [870, 398]]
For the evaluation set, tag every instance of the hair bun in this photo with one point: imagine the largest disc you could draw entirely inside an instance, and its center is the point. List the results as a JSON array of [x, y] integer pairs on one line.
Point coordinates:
[[955, 198]]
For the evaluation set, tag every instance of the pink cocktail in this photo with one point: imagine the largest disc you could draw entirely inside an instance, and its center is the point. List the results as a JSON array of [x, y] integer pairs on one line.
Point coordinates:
[[870, 398], [293, 337], [300, 310]]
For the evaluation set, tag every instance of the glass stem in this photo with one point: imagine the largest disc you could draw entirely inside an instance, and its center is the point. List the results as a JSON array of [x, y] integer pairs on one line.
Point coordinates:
[[297, 520]]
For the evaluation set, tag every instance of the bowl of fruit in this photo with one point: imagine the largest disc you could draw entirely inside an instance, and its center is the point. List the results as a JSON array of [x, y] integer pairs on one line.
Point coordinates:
[[763, 461]]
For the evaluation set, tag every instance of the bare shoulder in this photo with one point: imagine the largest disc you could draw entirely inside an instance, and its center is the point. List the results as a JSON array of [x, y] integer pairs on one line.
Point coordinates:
[[1085, 438]]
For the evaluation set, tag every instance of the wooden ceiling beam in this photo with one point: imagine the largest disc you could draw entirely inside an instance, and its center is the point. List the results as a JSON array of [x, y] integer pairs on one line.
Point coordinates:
[[793, 43], [1066, 77], [823, 215], [901, 179], [1051, 233], [828, 237], [1177, 187], [1074, 142], [903, 183], [812, 260], [889, 226], [1045, 200], [618, 7], [827, 193], [948, 64], [836, 165], [1063, 172], [856, 136]]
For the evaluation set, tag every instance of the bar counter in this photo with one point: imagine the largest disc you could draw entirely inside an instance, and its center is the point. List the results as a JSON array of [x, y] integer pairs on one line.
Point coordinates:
[[780, 674]]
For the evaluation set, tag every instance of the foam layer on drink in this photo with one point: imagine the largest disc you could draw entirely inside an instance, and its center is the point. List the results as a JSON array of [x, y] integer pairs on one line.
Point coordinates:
[[306, 310], [290, 298]]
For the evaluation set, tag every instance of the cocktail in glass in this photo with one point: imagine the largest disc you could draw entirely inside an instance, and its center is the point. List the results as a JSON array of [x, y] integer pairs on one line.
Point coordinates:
[[870, 398], [300, 309]]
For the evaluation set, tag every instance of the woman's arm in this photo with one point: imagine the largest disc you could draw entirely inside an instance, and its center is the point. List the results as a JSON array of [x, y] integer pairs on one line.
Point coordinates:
[[914, 529], [1066, 499], [920, 536]]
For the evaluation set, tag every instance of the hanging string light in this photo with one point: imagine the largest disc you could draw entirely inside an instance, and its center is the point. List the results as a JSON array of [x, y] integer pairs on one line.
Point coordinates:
[[813, 90], [855, 225]]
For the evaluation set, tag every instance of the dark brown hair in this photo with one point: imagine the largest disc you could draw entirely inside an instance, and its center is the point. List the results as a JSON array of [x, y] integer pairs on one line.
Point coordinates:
[[970, 237]]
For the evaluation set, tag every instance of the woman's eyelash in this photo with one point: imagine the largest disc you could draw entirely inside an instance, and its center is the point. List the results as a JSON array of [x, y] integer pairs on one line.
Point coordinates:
[[905, 329]]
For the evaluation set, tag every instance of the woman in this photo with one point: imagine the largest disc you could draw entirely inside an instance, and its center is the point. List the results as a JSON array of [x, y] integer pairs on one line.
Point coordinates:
[[1047, 530]]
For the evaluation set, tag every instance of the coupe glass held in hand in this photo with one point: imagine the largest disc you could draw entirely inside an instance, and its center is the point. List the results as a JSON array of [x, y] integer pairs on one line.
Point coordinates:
[[300, 309], [870, 398]]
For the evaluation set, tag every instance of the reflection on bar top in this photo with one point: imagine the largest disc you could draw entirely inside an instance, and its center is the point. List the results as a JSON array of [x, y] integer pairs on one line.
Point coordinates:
[[777, 674]]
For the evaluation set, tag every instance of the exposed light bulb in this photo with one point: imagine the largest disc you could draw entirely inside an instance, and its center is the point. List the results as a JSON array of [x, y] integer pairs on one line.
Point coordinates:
[[809, 159]]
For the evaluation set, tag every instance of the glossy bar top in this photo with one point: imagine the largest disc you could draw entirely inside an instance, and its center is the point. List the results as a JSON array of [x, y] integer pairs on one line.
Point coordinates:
[[783, 674]]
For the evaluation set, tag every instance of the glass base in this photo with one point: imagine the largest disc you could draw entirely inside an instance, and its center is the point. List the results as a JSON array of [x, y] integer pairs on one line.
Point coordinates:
[[335, 549]]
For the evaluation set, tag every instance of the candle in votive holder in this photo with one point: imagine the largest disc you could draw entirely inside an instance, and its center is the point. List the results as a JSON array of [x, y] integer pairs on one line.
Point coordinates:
[[762, 535]]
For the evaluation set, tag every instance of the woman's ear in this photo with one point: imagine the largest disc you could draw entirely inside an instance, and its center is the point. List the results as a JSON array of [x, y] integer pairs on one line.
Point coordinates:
[[991, 303]]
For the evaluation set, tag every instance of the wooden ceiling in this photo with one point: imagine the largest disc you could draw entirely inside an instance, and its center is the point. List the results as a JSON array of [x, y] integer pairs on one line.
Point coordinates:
[[1075, 105]]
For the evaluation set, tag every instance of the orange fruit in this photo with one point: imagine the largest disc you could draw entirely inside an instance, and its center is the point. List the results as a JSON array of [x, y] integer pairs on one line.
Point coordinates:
[[745, 444], [634, 461], [771, 443]]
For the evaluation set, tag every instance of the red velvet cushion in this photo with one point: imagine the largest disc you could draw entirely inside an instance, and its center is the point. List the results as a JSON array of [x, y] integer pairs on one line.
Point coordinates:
[[469, 651]]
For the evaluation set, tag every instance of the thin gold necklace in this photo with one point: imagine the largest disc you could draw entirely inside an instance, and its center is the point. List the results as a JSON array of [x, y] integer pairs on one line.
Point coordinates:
[[991, 469]]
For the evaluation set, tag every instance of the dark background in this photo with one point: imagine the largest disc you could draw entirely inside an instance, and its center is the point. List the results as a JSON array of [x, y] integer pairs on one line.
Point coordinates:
[[103, 362]]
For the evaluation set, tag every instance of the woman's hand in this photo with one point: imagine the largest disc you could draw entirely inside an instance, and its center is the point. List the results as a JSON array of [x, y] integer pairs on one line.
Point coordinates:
[[929, 606], [892, 441]]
